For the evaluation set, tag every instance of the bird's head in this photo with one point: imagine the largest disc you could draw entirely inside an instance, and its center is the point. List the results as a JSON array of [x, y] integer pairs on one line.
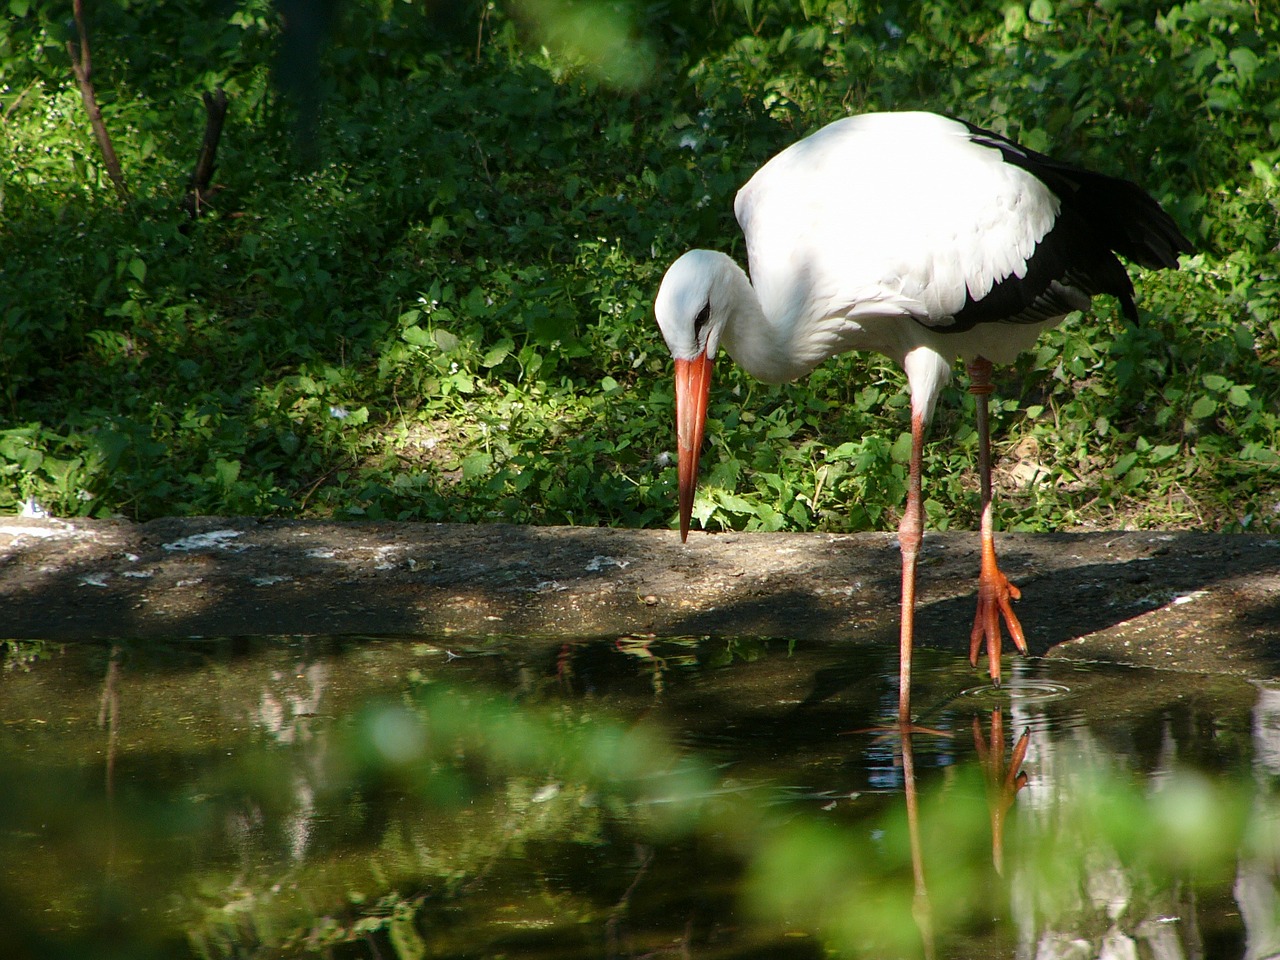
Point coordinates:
[[691, 310]]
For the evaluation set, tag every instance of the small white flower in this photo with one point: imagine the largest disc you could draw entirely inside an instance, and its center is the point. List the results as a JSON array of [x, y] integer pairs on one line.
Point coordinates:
[[32, 510]]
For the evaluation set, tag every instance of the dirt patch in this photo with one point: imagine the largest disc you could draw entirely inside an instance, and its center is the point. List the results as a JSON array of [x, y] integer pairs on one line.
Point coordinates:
[[1202, 602]]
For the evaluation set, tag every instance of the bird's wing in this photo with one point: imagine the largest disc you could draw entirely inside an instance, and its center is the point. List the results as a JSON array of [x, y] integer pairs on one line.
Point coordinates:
[[889, 214], [1123, 215]]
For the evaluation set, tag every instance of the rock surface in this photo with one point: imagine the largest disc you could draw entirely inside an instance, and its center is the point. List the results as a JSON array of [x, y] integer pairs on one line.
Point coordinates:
[[1191, 601]]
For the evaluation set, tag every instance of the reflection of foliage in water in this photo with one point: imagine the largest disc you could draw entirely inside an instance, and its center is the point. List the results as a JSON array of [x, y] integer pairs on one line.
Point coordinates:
[[424, 800], [664, 654], [505, 783], [21, 654], [412, 870]]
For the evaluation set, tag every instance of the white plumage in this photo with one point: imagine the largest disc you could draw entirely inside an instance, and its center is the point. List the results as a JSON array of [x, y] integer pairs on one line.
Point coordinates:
[[923, 238], [828, 208]]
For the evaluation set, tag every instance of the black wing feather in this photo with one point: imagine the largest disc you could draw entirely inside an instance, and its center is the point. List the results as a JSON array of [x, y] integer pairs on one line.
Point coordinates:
[[1101, 216]]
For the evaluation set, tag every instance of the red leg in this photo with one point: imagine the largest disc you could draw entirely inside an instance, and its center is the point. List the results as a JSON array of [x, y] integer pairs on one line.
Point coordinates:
[[910, 535], [995, 592]]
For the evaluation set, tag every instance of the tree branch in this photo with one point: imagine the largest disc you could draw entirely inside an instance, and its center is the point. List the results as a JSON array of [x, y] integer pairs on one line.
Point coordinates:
[[198, 192], [82, 67]]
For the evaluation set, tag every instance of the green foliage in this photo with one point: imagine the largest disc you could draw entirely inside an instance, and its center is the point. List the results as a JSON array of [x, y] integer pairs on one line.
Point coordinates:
[[845, 877], [423, 289]]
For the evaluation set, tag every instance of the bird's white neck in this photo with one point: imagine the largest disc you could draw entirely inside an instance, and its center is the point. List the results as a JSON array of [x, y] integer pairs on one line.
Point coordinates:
[[774, 349]]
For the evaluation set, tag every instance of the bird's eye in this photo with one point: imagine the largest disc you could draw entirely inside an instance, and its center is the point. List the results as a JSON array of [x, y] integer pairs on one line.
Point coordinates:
[[701, 319]]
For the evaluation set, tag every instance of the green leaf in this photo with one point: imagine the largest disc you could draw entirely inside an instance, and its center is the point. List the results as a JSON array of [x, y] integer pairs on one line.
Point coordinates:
[[1245, 61], [1015, 18], [226, 472], [901, 450], [735, 504], [1238, 396], [768, 518], [1203, 407], [476, 465], [703, 509], [497, 353], [725, 473], [1041, 11], [17, 449], [1124, 465], [405, 939], [1215, 382]]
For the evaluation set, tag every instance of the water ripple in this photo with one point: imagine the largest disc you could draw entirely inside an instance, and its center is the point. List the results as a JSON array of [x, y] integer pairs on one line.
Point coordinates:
[[1019, 689]]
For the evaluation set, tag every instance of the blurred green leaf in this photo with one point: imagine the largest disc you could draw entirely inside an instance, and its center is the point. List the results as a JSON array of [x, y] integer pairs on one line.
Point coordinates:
[[1204, 407]]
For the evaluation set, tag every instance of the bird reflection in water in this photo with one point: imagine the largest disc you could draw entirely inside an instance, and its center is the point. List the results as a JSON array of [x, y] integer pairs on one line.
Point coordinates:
[[1004, 777], [920, 908], [1004, 780]]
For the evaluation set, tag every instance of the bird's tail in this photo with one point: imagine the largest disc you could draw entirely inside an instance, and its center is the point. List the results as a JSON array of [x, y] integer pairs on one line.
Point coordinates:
[[1127, 219]]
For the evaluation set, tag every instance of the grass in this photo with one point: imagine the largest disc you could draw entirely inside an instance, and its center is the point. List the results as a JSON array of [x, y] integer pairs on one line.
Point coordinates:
[[424, 287]]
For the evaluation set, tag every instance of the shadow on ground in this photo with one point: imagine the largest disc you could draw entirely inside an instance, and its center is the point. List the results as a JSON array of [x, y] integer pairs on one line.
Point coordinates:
[[1195, 601]]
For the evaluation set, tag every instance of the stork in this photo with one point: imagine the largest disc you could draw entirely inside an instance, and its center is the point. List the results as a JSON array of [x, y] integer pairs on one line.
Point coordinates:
[[923, 238]]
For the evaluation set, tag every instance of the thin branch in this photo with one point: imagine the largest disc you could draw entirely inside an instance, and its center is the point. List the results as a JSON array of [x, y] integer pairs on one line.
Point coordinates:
[[109, 715], [198, 192], [17, 101], [484, 21], [82, 67]]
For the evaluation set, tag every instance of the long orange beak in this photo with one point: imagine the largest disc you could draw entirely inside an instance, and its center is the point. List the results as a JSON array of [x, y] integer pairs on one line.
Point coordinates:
[[693, 386]]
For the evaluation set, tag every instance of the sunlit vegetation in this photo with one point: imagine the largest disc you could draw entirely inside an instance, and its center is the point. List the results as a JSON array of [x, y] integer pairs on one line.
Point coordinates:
[[422, 286]]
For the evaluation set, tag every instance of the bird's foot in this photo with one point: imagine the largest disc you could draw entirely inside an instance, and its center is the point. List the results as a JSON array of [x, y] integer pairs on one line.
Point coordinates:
[[995, 597]]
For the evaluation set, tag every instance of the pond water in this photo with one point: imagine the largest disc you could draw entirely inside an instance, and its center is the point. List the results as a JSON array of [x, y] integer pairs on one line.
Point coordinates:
[[626, 797]]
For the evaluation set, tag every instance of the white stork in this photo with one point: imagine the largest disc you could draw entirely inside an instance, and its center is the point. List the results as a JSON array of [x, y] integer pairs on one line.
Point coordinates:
[[924, 238]]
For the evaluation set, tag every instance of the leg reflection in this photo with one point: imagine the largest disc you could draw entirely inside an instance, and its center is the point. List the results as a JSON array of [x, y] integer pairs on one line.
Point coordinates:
[[920, 908], [1004, 780]]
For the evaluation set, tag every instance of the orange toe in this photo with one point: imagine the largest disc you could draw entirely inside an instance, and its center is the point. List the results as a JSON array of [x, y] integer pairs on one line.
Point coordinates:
[[995, 598]]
